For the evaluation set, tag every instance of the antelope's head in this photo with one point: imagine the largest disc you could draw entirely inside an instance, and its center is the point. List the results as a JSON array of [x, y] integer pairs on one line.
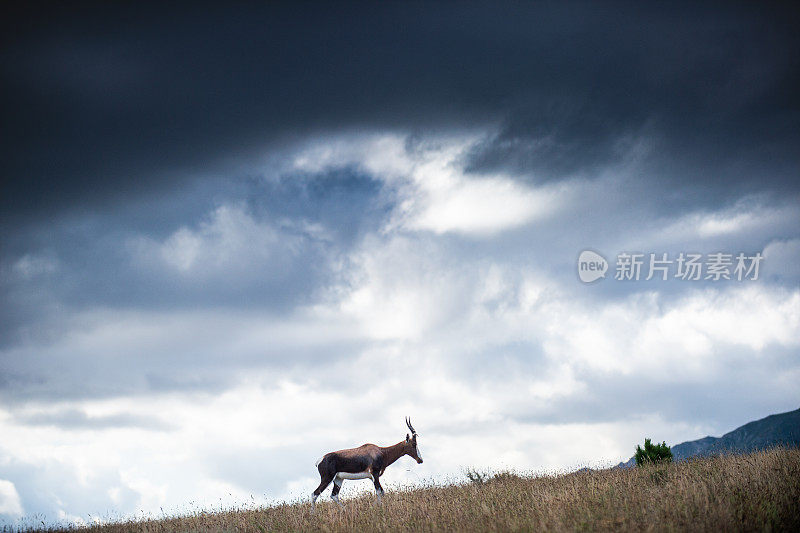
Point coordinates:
[[412, 448]]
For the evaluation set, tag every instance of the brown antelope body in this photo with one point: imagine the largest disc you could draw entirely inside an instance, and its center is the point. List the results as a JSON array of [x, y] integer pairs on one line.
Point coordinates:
[[368, 461]]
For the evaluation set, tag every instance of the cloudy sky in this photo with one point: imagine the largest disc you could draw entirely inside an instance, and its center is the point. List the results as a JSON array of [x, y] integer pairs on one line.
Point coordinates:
[[234, 240]]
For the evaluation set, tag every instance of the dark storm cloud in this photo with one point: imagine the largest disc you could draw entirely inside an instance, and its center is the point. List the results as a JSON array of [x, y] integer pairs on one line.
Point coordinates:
[[714, 95], [113, 259], [104, 103]]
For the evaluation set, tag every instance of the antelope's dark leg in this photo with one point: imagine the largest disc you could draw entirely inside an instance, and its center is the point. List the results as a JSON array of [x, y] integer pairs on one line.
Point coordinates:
[[323, 484], [337, 486], [378, 488], [326, 474]]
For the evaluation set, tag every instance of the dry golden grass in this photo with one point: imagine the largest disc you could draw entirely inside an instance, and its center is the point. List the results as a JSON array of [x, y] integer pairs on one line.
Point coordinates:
[[755, 492]]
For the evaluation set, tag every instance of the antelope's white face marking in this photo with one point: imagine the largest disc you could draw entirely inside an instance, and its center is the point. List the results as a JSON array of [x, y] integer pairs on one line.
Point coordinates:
[[419, 453], [357, 475]]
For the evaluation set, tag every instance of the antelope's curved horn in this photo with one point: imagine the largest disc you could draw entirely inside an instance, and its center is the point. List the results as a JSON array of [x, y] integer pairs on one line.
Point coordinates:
[[408, 423]]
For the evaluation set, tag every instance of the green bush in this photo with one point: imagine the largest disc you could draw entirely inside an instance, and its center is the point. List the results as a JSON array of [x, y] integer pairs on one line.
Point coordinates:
[[653, 453], [479, 478]]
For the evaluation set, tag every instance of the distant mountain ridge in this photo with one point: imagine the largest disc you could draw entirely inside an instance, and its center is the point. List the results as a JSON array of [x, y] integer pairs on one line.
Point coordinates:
[[774, 430]]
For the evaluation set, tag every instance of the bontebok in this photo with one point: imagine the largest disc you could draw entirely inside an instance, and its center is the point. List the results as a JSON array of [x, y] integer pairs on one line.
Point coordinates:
[[365, 462]]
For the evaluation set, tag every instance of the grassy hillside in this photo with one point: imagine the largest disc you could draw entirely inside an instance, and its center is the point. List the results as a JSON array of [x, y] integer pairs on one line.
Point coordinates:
[[759, 491]]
